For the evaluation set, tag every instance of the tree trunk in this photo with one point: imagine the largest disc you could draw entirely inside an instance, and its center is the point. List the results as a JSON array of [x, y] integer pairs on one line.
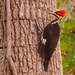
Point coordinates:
[[20, 44]]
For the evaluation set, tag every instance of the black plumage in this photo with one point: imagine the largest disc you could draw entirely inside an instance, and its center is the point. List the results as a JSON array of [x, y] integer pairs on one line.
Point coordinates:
[[51, 34]]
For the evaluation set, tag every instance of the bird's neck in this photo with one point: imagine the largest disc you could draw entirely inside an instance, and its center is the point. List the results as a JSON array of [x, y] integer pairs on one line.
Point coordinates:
[[55, 21]]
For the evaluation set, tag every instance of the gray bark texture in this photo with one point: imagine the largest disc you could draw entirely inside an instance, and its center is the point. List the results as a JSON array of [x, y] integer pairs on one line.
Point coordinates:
[[19, 38]]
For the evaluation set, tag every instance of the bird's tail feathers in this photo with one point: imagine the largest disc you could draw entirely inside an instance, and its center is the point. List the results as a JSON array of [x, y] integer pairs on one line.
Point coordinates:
[[46, 62], [46, 65]]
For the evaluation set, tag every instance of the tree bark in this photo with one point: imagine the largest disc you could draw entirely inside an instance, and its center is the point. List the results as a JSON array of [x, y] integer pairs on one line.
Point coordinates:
[[23, 48]]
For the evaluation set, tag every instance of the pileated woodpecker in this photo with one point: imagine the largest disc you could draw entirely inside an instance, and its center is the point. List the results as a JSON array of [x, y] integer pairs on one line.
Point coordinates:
[[50, 36]]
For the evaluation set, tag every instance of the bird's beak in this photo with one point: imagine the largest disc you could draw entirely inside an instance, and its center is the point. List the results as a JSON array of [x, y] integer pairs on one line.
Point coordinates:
[[52, 13]]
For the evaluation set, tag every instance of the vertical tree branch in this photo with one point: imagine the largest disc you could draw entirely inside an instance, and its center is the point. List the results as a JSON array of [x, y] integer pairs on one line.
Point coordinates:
[[10, 61], [8, 28]]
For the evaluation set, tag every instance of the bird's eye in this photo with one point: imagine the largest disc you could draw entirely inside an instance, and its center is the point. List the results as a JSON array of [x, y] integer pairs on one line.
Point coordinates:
[[58, 14]]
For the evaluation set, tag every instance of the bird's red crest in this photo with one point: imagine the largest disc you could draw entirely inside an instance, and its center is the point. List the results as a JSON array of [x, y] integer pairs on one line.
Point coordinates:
[[62, 12]]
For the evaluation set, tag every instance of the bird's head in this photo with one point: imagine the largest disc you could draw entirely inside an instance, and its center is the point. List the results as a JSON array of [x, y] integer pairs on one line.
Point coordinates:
[[59, 14]]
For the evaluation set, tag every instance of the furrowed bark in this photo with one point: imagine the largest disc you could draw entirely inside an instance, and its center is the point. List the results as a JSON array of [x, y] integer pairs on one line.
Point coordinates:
[[19, 19]]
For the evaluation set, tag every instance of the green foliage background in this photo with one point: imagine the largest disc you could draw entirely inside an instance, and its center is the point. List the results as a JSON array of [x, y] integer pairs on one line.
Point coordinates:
[[67, 39]]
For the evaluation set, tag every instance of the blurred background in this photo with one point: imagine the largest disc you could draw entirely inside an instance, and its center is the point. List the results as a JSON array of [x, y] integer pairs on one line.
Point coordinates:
[[67, 36]]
